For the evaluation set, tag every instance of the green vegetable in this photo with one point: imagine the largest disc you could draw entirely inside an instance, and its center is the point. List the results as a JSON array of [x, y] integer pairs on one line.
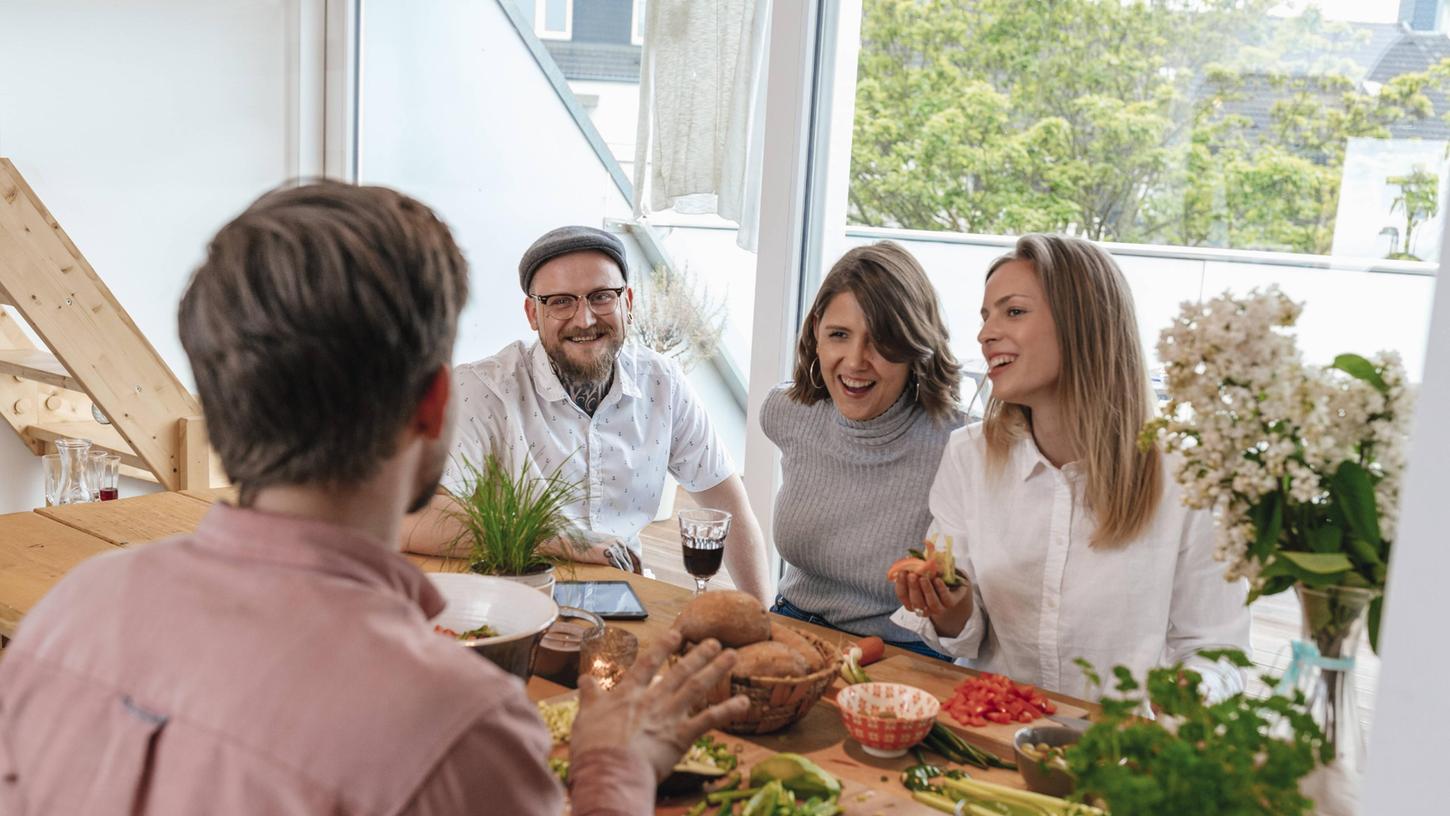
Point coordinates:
[[797, 774], [1221, 759], [919, 777], [697, 809], [989, 798], [727, 796], [765, 800], [560, 767]]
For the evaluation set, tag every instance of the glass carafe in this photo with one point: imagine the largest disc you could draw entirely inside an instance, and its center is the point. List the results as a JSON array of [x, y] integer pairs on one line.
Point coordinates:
[[74, 459]]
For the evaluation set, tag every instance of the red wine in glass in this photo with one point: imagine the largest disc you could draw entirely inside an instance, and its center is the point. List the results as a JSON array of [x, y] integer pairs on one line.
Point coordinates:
[[110, 493], [703, 557], [702, 541]]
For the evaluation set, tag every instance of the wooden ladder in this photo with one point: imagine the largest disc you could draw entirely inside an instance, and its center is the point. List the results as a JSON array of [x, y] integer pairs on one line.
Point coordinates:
[[93, 356]]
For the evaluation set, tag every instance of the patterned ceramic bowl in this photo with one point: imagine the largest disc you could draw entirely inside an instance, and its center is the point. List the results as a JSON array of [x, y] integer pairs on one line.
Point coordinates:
[[887, 718]]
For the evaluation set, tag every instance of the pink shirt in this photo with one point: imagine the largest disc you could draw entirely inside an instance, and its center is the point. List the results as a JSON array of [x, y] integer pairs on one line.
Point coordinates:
[[267, 664]]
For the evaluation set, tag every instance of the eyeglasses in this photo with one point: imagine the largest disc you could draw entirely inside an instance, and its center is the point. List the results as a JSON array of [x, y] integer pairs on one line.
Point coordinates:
[[564, 307]]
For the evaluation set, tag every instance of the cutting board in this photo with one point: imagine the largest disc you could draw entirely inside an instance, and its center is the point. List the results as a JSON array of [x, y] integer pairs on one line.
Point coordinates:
[[939, 679], [869, 786]]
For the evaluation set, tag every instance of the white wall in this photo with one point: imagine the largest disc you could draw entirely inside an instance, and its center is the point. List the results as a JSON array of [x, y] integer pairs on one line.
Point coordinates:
[[1405, 774], [143, 126]]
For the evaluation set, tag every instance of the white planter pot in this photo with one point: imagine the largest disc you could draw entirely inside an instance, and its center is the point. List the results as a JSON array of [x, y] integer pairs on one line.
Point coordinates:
[[542, 581]]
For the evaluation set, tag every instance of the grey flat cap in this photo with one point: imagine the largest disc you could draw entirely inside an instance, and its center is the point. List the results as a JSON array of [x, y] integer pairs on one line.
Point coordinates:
[[565, 240]]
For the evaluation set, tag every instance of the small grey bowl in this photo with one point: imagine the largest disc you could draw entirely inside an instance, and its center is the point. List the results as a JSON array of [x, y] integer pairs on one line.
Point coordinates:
[[1040, 779]]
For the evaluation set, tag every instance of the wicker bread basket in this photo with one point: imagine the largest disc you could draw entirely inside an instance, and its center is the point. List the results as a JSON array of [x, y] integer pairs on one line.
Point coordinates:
[[776, 702]]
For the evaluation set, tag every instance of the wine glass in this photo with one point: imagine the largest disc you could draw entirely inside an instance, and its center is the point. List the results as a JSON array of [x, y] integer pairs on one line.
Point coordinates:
[[702, 539]]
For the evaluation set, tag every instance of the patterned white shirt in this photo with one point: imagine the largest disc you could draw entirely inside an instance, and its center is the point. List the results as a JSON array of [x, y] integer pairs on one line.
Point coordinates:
[[651, 422], [1044, 597]]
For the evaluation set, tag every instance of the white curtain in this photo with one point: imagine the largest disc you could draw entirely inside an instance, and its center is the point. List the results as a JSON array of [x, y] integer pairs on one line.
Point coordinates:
[[701, 112]]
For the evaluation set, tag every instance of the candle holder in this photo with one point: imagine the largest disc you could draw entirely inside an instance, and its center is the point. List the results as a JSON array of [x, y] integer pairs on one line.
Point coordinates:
[[607, 655], [558, 657]]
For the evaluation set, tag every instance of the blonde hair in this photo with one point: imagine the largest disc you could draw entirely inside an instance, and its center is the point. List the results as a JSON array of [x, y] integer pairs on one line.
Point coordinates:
[[905, 321], [1103, 383]]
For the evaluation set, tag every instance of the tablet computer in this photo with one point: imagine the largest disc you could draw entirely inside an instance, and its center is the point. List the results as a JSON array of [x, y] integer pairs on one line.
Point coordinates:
[[614, 600]]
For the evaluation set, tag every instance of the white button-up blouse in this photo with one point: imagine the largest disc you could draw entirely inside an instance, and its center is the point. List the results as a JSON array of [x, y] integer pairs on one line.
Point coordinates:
[[1044, 597], [649, 424]]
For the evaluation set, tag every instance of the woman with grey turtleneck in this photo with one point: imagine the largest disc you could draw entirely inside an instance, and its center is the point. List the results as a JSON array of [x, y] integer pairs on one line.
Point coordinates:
[[861, 431]]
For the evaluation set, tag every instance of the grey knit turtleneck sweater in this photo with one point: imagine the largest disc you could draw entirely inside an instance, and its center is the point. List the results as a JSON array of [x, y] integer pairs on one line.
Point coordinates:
[[852, 500]]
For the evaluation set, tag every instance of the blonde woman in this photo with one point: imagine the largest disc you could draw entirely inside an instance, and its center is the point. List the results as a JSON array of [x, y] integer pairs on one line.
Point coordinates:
[[1074, 542]]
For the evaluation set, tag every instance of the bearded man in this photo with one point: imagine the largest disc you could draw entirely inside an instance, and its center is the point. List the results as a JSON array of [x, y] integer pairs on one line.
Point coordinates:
[[603, 411]]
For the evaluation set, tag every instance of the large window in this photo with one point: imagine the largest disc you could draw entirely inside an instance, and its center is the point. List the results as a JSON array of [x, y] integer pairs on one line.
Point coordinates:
[[1209, 144], [1214, 143]]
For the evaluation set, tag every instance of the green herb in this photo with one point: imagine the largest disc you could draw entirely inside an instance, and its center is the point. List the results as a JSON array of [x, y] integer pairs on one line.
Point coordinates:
[[560, 767], [1223, 757], [506, 518]]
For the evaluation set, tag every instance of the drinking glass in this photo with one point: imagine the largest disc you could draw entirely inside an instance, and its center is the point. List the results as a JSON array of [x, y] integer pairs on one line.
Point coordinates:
[[53, 468], [702, 539], [105, 472]]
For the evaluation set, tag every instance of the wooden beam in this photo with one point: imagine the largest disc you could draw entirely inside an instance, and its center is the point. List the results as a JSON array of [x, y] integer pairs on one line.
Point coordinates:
[[38, 366], [74, 314], [195, 454], [103, 437]]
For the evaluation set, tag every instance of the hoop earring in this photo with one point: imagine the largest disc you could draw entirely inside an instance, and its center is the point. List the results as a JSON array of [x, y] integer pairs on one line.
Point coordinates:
[[811, 373], [918, 387]]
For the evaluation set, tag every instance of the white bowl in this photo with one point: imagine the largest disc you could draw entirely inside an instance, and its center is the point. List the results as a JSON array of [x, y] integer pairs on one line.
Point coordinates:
[[520, 614]]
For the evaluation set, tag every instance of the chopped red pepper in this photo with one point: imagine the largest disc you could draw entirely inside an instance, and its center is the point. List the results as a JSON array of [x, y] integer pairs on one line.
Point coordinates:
[[986, 698]]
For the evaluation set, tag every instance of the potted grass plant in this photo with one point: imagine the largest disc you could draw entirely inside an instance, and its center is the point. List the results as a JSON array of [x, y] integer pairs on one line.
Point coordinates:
[[507, 519]]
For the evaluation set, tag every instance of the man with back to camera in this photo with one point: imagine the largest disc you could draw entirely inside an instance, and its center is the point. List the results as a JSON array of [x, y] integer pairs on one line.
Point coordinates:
[[606, 412], [279, 659]]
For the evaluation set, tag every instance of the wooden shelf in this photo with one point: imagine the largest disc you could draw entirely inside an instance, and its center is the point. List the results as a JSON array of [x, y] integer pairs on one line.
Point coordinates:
[[103, 437], [40, 366]]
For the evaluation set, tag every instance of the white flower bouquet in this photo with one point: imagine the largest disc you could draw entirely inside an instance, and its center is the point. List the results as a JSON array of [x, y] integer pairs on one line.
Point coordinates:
[[1300, 463]]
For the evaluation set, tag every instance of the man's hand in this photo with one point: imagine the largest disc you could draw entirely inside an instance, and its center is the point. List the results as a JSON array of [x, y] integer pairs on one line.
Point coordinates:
[[949, 608], [610, 552], [654, 722]]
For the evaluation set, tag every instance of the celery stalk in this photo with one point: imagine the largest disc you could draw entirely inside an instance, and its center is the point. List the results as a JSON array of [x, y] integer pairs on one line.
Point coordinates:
[[977, 789], [935, 801]]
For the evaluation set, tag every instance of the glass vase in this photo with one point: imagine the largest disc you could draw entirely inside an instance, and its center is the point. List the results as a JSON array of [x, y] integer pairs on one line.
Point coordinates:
[[74, 484], [1333, 620]]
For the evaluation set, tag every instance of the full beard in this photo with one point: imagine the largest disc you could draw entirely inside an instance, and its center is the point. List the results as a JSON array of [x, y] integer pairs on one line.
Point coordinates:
[[587, 382]]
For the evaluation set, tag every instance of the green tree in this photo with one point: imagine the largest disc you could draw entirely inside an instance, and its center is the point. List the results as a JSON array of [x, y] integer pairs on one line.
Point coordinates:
[[1419, 201], [1112, 119]]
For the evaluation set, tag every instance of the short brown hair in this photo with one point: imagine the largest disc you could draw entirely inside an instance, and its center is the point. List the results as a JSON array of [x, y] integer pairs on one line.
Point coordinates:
[[314, 326], [905, 321], [1103, 383]]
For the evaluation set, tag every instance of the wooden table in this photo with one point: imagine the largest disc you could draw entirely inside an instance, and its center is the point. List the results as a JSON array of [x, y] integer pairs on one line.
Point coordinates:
[[37, 548]]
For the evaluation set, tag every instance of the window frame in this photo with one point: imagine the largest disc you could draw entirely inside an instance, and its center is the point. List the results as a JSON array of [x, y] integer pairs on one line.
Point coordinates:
[[636, 22], [541, 16]]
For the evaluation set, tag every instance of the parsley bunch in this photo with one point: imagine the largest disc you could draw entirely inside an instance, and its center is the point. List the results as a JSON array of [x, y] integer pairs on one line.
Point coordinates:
[[1220, 759]]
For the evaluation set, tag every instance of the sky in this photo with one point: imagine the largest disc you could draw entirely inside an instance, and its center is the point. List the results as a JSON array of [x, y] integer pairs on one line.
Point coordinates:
[[1356, 11]]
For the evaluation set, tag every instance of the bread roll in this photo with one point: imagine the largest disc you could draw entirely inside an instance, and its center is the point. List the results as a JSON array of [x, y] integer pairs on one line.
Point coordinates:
[[780, 633], [734, 618], [769, 659]]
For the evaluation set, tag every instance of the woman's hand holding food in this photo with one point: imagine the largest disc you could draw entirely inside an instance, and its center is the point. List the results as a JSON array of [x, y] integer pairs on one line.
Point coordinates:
[[948, 607], [653, 722]]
